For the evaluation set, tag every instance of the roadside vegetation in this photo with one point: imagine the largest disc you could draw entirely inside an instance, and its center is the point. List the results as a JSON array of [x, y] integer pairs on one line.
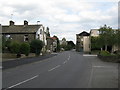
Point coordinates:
[[70, 45], [36, 46], [18, 48], [105, 42]]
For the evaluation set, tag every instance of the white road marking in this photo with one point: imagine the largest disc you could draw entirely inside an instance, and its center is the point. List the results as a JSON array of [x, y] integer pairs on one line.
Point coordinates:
[[69, 57], [23, 82], [103, 67], [54, 68], [90, 80], [98, 66], [88, 55], [64, 62]]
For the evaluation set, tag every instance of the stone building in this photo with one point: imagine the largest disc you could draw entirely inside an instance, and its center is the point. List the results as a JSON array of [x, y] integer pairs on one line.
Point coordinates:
[[51, 44], [94, 32], [83, 42], [24, 33]]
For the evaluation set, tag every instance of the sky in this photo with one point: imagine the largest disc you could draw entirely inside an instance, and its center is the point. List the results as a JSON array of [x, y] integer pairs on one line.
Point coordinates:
[[65, 18]]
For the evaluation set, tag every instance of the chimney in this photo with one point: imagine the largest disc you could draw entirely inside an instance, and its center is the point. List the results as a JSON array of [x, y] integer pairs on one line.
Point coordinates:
[[25, 22], [11, 23]]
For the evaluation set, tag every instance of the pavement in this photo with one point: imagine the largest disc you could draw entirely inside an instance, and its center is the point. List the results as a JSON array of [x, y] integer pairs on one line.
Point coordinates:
[[68, 69], [104, 74]]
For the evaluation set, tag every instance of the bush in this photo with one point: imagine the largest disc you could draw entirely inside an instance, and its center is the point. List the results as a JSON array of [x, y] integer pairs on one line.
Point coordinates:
[[7, 44], [36, 46], [25, 48], [117, 52], [15, 47], [105, 53]]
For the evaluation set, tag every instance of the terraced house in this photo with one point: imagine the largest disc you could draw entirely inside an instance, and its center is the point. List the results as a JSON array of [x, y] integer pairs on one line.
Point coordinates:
[[25, 32]]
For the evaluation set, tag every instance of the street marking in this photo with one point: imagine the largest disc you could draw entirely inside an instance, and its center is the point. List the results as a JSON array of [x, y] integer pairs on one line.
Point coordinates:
[[23, 82], [64, 62], [54, 68], [69, 57], [89, 55], [103, 67], [98, 66], [90, 80]]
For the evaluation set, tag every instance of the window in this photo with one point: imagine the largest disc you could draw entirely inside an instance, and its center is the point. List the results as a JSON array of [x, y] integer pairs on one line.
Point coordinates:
[[7, 36], [97, 32], [40, 31], [38, 36], [26, 38]]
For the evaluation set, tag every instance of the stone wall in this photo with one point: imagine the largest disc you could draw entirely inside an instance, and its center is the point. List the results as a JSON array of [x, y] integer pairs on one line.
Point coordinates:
[[20, 37]]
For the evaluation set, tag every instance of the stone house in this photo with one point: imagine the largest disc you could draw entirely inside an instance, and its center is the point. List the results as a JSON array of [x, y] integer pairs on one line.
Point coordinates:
[[83, 42], [24, 33], [51, 44]]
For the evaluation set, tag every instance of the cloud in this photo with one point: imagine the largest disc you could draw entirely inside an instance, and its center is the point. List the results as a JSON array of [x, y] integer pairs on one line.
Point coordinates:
[[65, 18]]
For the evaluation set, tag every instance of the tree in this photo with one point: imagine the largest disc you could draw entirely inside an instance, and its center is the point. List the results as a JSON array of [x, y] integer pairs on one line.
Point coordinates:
[[48, 33], [118, 38], [71, 44], [36, 46], [25, 48], [3, 44], [15, 47], [106, 36], [95, 45], [8, 43]]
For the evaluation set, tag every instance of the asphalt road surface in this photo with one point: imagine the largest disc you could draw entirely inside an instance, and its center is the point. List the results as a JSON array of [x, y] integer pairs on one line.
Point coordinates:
[[22, 61], [66, 70]]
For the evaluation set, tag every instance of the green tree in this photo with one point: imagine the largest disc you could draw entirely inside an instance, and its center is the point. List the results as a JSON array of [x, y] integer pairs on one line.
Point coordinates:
[[36, 46], [118, 38], [3, 44], [8, 44], [48, 33], [70, 45], [15, 47], [106, 36], [95, 45], [25, 48]]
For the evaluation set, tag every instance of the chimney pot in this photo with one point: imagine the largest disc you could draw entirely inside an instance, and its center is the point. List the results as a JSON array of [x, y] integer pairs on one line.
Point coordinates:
[[25, 22], [11, 23]]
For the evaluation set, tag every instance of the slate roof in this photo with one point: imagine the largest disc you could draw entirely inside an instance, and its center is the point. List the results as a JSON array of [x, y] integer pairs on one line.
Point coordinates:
[[84, 34], [20, 29]]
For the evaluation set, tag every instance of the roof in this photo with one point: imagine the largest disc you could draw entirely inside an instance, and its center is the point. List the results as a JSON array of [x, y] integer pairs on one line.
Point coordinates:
[[20, 28], [84, 34], [54, 38]]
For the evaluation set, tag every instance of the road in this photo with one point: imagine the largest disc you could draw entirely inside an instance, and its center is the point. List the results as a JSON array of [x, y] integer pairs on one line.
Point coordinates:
[[21, 61], [68, 69]]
